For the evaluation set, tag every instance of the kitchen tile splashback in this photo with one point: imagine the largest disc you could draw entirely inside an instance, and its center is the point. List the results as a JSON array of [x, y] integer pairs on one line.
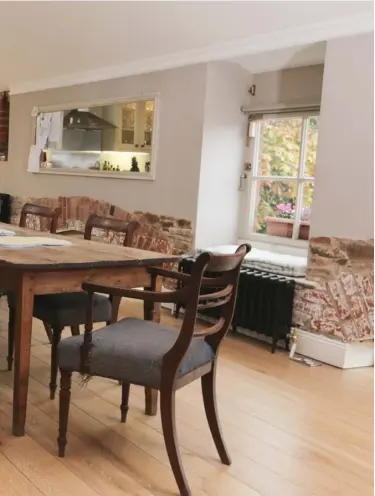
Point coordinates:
[[62, 159], [70, 160]]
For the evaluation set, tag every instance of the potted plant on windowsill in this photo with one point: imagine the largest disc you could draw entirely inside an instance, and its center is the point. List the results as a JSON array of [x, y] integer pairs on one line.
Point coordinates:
[[282, 224]]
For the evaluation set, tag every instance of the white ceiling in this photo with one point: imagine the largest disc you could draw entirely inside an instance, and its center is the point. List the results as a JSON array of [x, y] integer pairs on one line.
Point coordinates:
[[48, 44]]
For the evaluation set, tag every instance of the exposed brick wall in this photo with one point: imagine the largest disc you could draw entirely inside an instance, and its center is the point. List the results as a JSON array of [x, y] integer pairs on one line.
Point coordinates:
[[161, 234], [158, 233], [343, 305], [4, 124]]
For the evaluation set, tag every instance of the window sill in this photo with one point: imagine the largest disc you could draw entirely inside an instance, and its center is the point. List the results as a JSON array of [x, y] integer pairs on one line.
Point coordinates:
[[276, 244], [100, 174]]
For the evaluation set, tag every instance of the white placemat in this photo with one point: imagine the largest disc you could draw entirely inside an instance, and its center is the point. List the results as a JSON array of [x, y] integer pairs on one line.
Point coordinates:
[[31, 242], [6, 232]]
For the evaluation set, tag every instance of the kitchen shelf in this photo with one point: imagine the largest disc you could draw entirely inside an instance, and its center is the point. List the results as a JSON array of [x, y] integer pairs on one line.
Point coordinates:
[[137, 176]]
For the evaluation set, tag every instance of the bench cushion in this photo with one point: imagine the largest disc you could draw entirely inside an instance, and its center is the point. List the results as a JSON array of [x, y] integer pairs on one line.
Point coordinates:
[[68, 309]]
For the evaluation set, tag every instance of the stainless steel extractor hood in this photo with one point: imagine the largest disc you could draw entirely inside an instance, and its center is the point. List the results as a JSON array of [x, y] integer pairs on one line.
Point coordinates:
[[85, 120]]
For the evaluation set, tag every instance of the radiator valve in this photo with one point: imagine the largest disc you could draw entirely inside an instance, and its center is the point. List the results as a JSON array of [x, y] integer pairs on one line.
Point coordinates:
[[293, 336]]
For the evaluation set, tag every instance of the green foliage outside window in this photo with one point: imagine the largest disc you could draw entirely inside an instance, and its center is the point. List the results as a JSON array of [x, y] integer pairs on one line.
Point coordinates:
[[279, 155]]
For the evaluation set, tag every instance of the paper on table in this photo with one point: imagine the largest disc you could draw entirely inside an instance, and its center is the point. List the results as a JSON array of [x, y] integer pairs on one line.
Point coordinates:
[[6, 232], [31, 241]]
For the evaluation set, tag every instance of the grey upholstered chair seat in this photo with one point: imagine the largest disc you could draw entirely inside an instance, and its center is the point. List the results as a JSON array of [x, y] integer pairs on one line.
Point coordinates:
[[132, 350], [68, 309]]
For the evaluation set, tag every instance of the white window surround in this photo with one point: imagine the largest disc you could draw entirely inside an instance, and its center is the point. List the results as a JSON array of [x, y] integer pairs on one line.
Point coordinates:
[[151, 176], [277, 244]]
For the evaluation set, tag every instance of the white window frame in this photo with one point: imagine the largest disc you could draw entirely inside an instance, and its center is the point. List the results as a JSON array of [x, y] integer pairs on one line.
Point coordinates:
[[252, 157]]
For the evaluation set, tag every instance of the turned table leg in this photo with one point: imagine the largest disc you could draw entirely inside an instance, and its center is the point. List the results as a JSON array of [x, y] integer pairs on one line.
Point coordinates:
[[23, 325]]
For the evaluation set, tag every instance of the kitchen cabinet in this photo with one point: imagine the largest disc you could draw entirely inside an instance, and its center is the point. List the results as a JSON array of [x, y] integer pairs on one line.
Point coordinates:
[[134, 123]]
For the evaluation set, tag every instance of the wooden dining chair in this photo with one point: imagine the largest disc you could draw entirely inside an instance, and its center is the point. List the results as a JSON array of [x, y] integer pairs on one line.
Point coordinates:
[[39, 211], [58, 311], [51, 216], [152, 355]]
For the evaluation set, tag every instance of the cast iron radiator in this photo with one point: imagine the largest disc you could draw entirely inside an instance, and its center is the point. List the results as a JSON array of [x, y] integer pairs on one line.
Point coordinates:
[[264, 303]]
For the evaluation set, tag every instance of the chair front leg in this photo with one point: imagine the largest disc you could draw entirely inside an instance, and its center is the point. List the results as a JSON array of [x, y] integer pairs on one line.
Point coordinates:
[[65, 386], [56, 337]]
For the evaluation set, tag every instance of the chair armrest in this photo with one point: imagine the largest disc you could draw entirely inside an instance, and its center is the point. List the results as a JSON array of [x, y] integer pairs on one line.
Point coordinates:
[[171, 274], [181, 276], [154, 296]]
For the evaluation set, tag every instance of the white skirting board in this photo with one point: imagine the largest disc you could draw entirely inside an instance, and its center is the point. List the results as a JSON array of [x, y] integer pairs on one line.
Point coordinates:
[[329, 351], [323, 349], [336, 353]]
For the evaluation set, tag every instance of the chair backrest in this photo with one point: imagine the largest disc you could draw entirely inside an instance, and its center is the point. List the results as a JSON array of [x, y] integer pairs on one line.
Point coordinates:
[[224, 273], [51, 214], [112, 224]]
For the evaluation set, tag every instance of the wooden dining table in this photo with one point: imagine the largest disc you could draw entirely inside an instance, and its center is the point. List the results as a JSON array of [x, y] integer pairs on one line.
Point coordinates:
[[60, 269]]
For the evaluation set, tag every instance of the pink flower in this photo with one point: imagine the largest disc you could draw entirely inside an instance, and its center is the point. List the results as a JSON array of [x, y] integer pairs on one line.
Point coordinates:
[[285, 208]]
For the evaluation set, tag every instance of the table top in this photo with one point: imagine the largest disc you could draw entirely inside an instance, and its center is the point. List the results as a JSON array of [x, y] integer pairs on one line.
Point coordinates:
[[81, 254]]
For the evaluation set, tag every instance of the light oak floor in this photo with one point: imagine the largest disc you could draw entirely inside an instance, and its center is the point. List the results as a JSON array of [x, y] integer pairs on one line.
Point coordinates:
[[291, 430]]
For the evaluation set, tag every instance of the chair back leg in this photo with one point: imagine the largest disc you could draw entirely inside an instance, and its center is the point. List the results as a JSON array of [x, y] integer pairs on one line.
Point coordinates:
[[75, 330], [168, 420], [151, 401], [65, 386], [151, 395], [210, 407], [124, 401], [49, 332], [115, 302]]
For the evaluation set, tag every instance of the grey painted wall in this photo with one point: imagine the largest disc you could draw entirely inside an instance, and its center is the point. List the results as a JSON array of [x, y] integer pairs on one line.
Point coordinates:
[[289, 86], [222, 154], [175, 190], [344, 194]]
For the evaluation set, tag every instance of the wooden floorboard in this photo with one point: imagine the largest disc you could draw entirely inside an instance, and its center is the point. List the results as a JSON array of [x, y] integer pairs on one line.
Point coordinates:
[[291, 430]]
